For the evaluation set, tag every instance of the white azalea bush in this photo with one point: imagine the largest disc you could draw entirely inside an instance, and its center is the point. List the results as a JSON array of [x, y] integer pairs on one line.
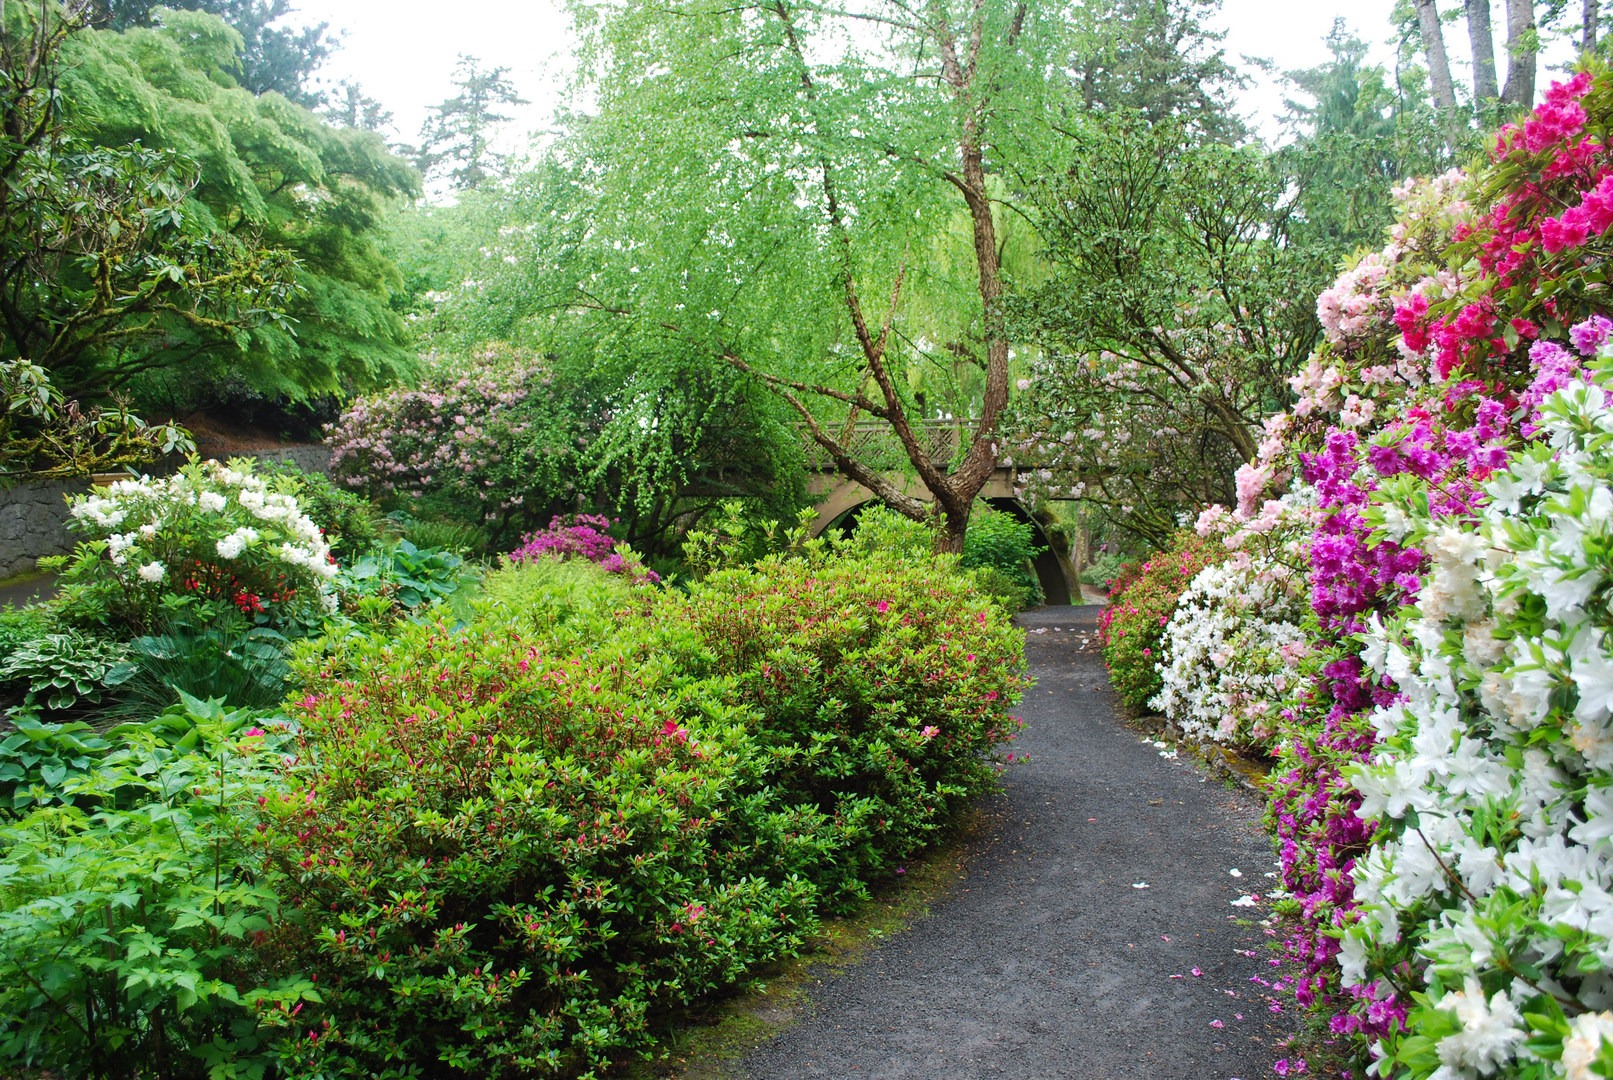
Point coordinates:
[[1489, 899], [1233, 646], [211, 537]]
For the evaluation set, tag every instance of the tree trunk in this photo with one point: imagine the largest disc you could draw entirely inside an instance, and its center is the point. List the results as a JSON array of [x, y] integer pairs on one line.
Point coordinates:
[[1483, 43], [1587, 25], [1522, 46], [1439, 67]]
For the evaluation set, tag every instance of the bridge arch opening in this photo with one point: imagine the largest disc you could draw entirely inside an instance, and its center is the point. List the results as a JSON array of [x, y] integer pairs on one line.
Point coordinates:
[[1047, 565]]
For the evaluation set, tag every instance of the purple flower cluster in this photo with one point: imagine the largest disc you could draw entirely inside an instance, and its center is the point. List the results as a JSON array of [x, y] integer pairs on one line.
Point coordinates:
[[583, 536]]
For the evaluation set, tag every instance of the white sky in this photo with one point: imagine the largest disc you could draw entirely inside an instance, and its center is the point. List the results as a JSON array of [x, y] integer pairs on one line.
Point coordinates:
[[403, 51]]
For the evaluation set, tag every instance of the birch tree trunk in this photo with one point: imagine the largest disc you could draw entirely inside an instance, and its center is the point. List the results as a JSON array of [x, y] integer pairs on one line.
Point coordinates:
[[1439, 67], [1483, 43], [1522, 47], [1587, 37]]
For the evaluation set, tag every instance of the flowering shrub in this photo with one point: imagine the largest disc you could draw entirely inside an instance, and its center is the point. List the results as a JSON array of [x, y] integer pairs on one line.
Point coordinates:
[[489, 441], [1490, 780], [1233, 646], [211, 535], [584, 536], [897, 673], [514, 850], [1132, 627], [1441, 352]]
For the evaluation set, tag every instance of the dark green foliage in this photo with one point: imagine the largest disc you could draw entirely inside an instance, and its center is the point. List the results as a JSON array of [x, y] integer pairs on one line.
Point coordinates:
[[104, 266], [228, 660], [456, 141], [1004, 547], [460, 537]]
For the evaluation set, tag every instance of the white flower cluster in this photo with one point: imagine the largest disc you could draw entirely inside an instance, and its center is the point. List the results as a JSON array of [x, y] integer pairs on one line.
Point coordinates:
[[205, 513], [1493, 778], [1231, 649]]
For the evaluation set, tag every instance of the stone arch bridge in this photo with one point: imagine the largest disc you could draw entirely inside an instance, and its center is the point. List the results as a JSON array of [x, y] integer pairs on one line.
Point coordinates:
[[840, 500]]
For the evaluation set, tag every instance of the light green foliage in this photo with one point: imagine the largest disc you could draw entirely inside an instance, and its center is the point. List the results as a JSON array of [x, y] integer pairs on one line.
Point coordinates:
[[882, 531], [547, 594], [752, 184], [269, 169], [281, 59], [126, 919]]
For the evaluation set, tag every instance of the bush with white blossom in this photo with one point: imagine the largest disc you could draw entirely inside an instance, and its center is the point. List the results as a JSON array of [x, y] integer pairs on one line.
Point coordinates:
[[1492, 780], [212, 535], [1234, 643]]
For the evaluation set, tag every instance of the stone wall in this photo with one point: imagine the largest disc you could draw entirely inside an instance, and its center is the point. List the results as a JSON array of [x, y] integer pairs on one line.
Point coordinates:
[[33, 517], [33, 522]]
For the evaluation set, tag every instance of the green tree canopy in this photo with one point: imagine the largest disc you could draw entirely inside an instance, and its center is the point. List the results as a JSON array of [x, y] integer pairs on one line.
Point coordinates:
[[268, 173], [457, 138], [278, 59]]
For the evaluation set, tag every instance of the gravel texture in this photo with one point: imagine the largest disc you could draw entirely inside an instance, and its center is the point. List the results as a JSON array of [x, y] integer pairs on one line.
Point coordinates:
[[1051, 958]]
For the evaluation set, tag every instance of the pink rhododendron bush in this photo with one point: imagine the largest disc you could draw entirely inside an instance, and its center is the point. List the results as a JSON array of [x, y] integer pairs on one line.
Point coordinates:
[[489, 439], [1438, 793]]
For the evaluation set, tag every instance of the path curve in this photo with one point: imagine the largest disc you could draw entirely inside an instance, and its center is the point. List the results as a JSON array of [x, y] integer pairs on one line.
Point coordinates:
[[1047, 959]]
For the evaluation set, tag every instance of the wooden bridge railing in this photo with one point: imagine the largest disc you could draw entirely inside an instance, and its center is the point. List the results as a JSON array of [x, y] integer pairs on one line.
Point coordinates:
[[873, 443]]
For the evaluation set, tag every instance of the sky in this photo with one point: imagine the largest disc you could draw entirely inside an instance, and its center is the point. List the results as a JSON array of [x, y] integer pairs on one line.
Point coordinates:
[[403, 52]]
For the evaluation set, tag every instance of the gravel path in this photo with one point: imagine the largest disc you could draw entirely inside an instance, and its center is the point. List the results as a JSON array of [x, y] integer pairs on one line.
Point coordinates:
[[1050, 959]]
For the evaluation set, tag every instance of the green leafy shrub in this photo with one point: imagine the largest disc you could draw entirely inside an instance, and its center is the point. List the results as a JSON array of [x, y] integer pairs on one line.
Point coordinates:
[[401, 579], [881, 529], [133, 925], [1008, 590], [1141, 602], [38, 759], [209, 539], [228, 660], [882, 685], [1102, 571], [515, 848], [551, 594], [460, 537], [1008, 546], [513, 857]]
